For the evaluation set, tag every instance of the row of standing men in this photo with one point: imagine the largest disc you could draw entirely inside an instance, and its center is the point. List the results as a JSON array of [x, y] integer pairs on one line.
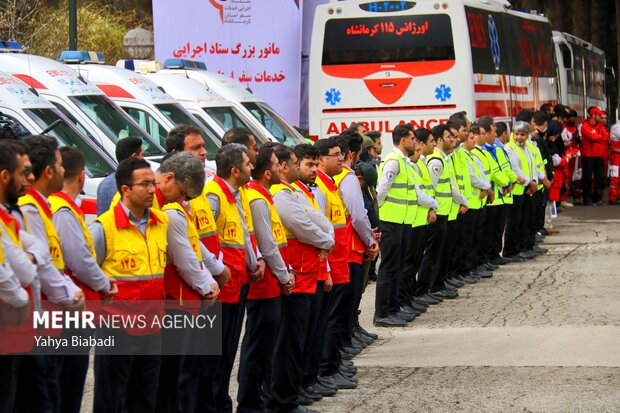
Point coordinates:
[[278, 232]]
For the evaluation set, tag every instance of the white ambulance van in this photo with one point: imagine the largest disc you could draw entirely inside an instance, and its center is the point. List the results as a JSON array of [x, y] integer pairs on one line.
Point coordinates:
[[263, 117], [79, 100], [154, 110]]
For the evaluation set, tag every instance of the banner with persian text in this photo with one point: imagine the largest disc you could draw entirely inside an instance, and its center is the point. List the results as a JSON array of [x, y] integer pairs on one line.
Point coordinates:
[[256, 42]]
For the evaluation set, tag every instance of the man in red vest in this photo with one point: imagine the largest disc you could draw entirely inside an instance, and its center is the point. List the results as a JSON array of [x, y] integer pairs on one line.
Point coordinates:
[[594, 140]]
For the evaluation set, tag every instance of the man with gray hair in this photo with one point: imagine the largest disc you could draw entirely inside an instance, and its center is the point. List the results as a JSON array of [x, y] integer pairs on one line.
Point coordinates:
[[523, 164], [187, 277]]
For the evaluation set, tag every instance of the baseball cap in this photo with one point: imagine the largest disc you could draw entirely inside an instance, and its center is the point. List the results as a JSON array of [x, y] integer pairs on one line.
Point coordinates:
[[369, 143], [595, 110]]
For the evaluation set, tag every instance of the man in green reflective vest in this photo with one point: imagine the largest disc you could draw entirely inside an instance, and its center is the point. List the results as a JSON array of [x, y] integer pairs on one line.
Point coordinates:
[[397, 199]]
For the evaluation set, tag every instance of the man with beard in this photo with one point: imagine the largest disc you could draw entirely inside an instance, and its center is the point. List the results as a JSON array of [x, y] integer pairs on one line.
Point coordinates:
[[80, 265], [303, 212], [263, 303], [397, 201], [15, 289], [41, 372], [228, 199]]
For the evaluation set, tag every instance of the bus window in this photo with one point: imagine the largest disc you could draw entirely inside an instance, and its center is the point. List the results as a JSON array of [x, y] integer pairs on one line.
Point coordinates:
[[567, 56], [274, 123]]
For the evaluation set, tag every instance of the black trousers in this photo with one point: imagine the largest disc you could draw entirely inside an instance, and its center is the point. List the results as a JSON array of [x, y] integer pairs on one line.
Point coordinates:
[[128, 383], [317, 325], [514, 224], [356, 281], [478, 237], [540, 200], [340, 305], [494, 230], [414, 249], [465, 258], [261, 329], [38, 387], [73, 373], [9, 369], [215, 371], [528, 234], [390, 268], [453, 268], [287, 362], [593, 166], [429, 268], [445, 260], [177, 376]]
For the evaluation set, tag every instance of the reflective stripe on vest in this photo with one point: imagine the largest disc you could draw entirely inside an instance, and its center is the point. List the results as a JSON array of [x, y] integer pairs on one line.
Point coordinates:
[[401, 201], [232, 239], [53, 240], [443, 190], [176, 288]]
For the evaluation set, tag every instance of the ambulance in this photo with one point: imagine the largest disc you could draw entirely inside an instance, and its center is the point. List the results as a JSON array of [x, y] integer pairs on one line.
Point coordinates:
[[262, 116], [28, 114], [94, 114], [154, 110]]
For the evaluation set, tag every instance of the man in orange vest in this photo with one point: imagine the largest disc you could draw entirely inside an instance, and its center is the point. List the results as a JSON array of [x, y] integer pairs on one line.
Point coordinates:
[[130, 241], [263, 304], [228, 199], [184, 375], [330, 165], [303, 214], [41, 372], [362, 235], [16, 274], [80, 264]]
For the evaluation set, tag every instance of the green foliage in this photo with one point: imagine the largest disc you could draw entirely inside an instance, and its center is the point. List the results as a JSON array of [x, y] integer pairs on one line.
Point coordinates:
[[101, 27]]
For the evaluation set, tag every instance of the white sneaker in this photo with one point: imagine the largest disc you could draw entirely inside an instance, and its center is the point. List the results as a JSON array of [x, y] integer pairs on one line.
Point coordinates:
[[566, 204]]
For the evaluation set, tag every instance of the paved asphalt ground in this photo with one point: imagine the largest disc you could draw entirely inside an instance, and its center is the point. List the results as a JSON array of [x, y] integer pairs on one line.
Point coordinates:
[[541, 336]]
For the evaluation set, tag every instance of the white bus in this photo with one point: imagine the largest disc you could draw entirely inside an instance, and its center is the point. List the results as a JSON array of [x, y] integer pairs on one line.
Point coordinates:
[[581, 73], [392, 62]]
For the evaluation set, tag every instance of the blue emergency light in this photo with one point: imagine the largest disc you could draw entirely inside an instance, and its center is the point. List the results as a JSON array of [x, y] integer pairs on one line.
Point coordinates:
[[81, 57], [11, 46], [184, 64]]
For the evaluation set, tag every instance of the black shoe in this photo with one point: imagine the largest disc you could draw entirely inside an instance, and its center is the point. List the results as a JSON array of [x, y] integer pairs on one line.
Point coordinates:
[[349, 371], [453, 283], [528, 255], [427, 299], [416, 300], [516, 258], [408, 317], [501, 261], [328, 382], [359, 336], [545, 232], [353, 350], [416, 306], [304, 400], [482, 274], [318, 388], [408, 310], [357, 342], [310, 394], [539, 250], [343, 382], [373, 336], [348, 363], [489, 267], [466, 279], [389, 321], [429, 293], [447, 294], [346, 356]]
